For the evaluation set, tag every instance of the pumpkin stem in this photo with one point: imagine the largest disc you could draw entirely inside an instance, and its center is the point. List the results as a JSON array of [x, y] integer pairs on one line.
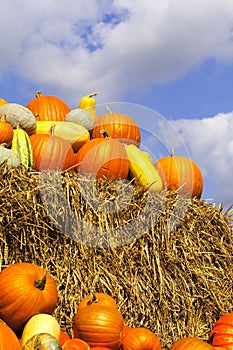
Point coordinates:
[[92, 94], [18, 125], [38, 93], [172, 151], [3, 117], [4, 144], [93, 299], [40, 284], [104, 132], [108, 109], [51, 130], [211, 338]]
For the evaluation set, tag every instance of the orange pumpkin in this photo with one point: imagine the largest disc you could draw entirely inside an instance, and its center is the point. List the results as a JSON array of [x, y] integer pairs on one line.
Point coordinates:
[[64, 336], [98, 298], [180, 173], [99, 326], [6, 132], [8, 339], [221, 334], [46, 107], [103, 158], [139, 339], [192, 343], [119, 126], [51, 152], [25, 290], [75, 343]]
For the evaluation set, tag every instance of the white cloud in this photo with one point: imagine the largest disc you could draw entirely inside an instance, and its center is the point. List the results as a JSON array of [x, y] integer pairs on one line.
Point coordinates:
[[210, 143], [73, 47]]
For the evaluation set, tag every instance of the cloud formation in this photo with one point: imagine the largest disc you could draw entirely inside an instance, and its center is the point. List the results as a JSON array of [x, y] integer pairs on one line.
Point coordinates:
[[210, 144], [75, 47]]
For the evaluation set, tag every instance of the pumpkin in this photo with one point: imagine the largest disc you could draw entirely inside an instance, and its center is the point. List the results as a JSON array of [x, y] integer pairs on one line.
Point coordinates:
[[9, 157], [40, 323], [8, 339], [221, 334], [51, 152], [98, 298], [6, 131], [99, 326], [46, 107], [100, 348], [119, 126], [26, 289], [2, 101], [42, 341], [21, 145], [81, 117], [139, 339], [64, 336], [191, 343], [16, 113], [75, 343], [180, 173], [88, 103], [103, 158]]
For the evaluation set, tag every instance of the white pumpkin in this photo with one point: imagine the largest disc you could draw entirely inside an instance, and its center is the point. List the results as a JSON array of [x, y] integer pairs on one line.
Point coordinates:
[[81, 117]]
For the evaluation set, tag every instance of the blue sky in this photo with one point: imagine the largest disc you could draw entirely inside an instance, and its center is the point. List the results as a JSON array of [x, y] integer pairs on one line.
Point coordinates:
[[173, 57]]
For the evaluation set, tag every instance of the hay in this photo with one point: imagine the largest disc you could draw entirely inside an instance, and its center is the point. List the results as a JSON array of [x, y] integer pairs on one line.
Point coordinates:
[[165, 259]]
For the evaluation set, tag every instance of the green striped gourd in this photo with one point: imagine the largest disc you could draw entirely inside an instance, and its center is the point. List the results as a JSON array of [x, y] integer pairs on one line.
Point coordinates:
[[21, 145]]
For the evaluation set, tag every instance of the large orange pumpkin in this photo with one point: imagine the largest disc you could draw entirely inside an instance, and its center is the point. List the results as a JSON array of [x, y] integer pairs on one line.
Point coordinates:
[[99, 326], [46, 107], [103, 158], [221, 334], [140, 338], [51, 152], [119, 126], [25, 290], [8, 339], [180, 173]]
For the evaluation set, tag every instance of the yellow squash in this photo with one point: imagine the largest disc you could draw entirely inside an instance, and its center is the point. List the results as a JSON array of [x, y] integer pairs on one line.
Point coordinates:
[[40, 323], [88, 103], [142, 169]]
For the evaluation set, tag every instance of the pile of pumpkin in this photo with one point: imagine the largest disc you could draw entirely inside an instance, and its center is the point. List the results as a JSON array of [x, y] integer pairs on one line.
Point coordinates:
[[28, 298], [47, 134]]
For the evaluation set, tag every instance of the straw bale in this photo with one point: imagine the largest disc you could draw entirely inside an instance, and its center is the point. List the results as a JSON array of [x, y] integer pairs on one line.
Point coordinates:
[[166, 259]]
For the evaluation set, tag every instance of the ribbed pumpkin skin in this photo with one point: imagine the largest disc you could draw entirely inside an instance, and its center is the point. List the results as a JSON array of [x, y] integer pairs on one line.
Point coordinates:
[[118, 126], [99, 326], [48, 107], [20, 299], [191, 343], [222, 333], [103, 158], [181, 173], [51, 152], [6, 132], [8, 339], [140, 338]]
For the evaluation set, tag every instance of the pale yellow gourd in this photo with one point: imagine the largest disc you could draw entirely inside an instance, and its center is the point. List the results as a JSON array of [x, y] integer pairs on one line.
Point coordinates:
[[40, 323]]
